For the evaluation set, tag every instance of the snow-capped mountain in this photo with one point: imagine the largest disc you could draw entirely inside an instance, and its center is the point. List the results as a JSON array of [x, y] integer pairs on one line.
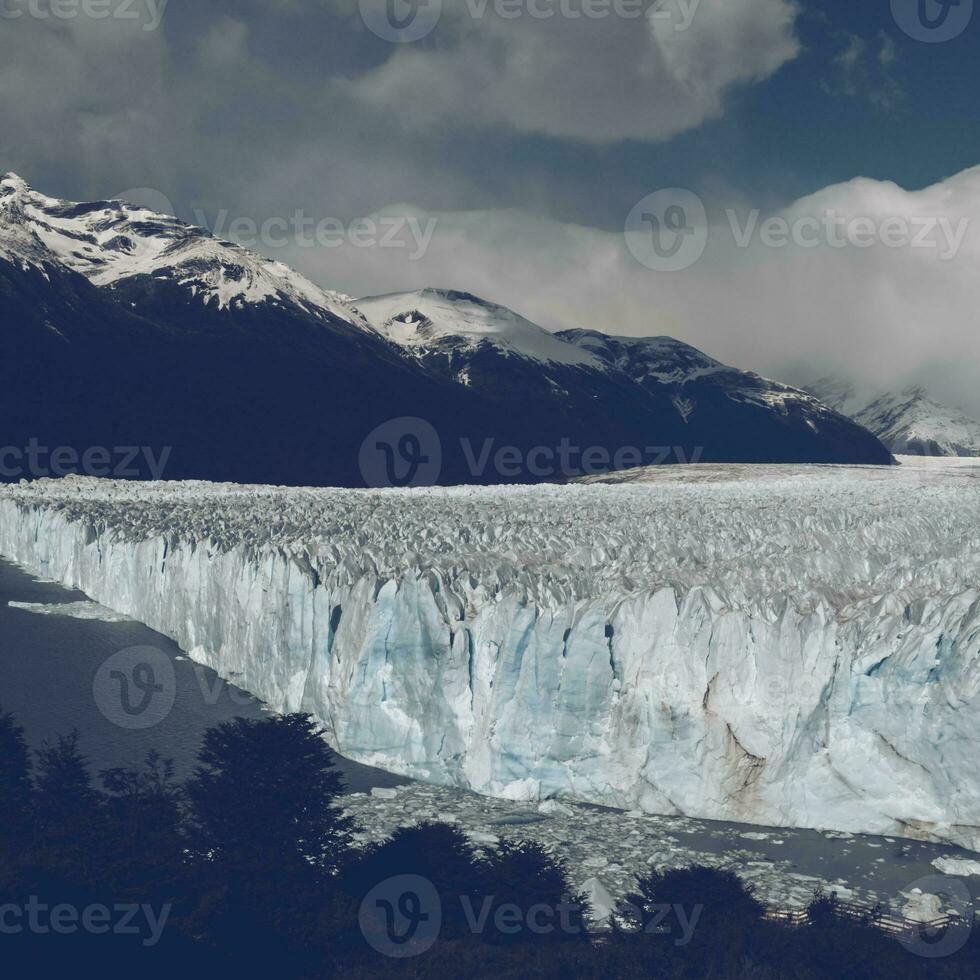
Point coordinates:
[[112, 242], [910, 422], [679, 395], [438, 322], [649, 361], [127, 327], [660, 363], [122, 327]]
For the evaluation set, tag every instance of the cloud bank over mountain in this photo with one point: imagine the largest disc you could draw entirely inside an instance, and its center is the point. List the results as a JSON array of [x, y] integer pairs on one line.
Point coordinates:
[[868, 275], [529, 140]]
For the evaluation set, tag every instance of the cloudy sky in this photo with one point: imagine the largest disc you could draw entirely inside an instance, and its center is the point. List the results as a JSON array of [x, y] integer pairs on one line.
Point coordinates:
[[830, 145]]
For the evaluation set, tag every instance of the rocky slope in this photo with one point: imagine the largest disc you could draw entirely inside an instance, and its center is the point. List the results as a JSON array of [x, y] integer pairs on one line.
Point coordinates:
[[122, 327]]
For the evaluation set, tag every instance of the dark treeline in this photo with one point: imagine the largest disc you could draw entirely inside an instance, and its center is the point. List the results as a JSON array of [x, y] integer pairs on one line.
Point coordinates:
[[250, 866]]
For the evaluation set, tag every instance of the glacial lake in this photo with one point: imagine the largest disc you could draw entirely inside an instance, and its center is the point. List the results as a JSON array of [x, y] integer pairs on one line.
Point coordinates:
[[56, 676]]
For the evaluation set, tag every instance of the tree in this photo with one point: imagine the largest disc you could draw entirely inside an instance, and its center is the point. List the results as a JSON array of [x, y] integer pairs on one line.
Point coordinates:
[[440, 854], [264, 795], [266, 836], [16, 795], [691, 904], [70, 814], [524, 877], [146, 846], [823, 912]]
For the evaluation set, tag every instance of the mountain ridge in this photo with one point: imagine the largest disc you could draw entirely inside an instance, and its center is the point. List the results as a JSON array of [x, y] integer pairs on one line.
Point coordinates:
[[909, 421], [124, 323]]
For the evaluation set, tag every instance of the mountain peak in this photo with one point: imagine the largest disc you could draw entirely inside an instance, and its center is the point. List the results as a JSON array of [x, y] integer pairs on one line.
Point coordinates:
[[662, 359], [114, 242], [433, 318], [454, 296], [916, 393], [907, 420], [11, 184]]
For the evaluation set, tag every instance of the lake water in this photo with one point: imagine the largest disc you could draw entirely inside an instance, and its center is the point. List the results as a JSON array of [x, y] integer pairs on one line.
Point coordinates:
[[59, 673]]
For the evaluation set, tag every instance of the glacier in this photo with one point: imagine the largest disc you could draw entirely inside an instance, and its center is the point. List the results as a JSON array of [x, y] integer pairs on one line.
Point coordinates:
[[782, 645]]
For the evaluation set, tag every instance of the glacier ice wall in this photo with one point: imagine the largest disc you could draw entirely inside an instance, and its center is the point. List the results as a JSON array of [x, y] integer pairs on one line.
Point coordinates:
[[780, 645]]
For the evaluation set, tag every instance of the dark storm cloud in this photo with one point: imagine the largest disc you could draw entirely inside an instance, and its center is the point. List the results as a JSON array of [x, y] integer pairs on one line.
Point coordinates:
[[527, 139]]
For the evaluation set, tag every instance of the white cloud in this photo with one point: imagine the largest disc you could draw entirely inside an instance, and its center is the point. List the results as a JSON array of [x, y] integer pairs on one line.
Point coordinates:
[[865, 69], [86, 91], [891, 312], [225, 44], [598, 80]]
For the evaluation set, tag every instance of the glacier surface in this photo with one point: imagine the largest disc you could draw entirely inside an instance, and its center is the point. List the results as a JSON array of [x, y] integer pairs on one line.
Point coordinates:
[[782, 645]]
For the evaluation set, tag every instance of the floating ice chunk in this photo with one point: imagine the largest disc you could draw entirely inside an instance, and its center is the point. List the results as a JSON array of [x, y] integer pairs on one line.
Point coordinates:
[[480, 838], [922, 906], [956, 866], [554, 809], [76, 610], [602, 903], [521, 789]]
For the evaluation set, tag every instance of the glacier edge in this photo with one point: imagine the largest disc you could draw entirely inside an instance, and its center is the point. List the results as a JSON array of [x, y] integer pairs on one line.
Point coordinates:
[[756, 648]]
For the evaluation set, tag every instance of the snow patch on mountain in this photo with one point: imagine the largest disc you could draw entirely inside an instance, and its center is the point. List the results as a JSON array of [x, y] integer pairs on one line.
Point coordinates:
[[109, 242], [660, 359], [427, 318], [664, 361], [786, 645]]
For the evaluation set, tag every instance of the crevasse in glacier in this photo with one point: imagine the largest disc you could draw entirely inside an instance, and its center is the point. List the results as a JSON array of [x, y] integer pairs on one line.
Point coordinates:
[[779, 645]]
